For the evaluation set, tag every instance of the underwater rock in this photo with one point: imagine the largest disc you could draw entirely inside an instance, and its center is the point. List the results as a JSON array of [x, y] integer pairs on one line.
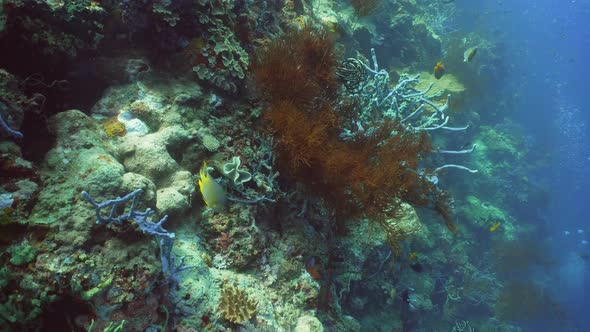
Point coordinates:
[[133, 181], [182, 181], [79, 161], [113, 99], [487, 217], [19, 184], [171, 202], [100, 173], [133, 126], [496, 143], [308, 324], [14, 103], [95, 171], [209, 141], [148, 155], [56, 30], [75, 130], [409, 40]]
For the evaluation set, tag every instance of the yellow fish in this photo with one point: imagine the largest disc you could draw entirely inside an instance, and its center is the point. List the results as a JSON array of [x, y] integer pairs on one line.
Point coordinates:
[[439, 70], [495, 226], [299, 22], [469, 54], [212, 192]]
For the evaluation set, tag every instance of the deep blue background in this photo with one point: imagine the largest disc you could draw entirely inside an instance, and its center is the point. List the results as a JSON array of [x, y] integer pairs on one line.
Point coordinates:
[[547, 48]]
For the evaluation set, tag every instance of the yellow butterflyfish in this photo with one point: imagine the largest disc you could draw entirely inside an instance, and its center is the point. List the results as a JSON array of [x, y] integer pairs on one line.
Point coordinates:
[[212, 192], [495, 226]]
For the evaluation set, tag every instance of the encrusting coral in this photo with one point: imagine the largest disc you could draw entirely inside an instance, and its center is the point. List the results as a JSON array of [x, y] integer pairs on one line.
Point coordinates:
[[235, 305], [114, 128]]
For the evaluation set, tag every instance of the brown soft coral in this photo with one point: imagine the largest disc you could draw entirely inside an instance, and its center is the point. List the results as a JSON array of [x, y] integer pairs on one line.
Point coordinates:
[[364, 176], [370, 175], [302, 136], [298, 67]]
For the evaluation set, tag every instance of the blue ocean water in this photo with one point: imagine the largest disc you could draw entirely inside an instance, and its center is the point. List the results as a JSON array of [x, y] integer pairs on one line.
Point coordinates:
[[546, 45]]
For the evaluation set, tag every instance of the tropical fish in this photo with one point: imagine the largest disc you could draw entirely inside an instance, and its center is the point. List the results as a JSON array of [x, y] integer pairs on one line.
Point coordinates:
[[469, 54], [439, 70], [212, 192], [331, 24], [299, 22], [413, 256], [311, 266], [495, 226], [417, 267], [405, 296], [464, 146]]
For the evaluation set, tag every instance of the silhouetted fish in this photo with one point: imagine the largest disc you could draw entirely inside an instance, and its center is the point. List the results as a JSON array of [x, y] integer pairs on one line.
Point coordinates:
[[406, 296], [417, 267]]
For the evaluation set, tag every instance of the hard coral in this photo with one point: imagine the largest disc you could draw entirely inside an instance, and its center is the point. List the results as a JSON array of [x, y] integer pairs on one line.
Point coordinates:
[[235, 305]]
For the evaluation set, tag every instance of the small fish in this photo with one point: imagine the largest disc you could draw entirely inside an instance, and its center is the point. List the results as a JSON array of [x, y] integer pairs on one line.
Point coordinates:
[[580, 231], [212, 192], [439, 70], [311, 266], [584, 242], [495, 226], [469, 54], [566, 233], [413, 256], [417, 267], [299, 22], [331, 24], [405, 295]]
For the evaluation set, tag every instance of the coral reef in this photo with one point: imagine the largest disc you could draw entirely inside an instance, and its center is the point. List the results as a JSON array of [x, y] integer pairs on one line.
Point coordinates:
[[333, 166], [235, 305], [365, 7], [363, 176]]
